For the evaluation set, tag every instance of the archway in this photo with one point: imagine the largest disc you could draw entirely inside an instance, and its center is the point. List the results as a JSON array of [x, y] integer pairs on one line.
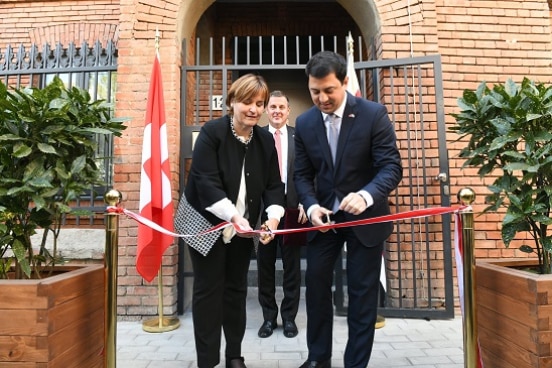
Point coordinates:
[[223, 48]]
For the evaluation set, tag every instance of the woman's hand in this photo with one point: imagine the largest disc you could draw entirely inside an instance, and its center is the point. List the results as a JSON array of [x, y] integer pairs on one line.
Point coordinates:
[[243, 224]]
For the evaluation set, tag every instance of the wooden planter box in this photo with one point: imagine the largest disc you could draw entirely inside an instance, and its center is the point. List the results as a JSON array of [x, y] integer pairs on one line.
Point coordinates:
[[57, 321], [514, 312]]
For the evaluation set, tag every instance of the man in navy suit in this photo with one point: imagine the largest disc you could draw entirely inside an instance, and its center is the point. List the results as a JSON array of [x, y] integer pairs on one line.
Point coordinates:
[[351, 183]]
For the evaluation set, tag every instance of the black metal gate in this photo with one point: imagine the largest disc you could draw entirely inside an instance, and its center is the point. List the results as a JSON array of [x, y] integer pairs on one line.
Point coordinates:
[[418, 256]]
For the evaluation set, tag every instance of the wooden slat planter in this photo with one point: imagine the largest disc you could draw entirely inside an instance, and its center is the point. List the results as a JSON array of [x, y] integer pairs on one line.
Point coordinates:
[[53, 322], [514, 312]]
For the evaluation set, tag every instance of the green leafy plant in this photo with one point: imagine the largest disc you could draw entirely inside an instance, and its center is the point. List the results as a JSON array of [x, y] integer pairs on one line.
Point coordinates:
[[48, 144], [510, 136]]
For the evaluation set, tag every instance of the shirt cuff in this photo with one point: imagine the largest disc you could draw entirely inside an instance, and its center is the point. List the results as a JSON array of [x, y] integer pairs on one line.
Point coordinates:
[[310, 209], [275, 212], [223, 209], [367, 197]]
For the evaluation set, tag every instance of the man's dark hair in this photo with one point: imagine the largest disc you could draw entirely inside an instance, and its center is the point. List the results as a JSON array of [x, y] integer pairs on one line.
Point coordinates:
[[278, 93], [326, 62]]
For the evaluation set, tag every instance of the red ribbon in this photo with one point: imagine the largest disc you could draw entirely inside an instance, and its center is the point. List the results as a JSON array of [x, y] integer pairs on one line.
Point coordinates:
[[424, 212]]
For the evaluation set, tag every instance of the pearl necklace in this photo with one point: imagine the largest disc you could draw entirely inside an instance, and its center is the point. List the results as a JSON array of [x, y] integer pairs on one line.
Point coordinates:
[[241, 139]]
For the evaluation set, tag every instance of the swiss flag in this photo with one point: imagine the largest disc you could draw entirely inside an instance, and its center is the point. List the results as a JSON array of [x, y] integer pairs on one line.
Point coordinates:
[[155, 183]]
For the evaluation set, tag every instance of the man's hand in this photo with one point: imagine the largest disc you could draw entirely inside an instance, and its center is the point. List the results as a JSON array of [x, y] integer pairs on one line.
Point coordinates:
[[353, 203], [319, 217], [302, 218]]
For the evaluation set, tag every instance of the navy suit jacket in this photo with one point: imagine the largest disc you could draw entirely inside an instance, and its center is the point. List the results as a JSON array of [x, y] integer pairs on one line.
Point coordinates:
[[367, 159]]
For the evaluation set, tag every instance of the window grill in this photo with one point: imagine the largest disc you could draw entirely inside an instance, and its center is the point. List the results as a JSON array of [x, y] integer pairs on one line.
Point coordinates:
[[91, 67]]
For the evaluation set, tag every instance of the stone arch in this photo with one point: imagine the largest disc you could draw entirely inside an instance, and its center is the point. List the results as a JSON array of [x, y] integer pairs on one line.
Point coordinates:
[[189, 14], [197, 18], [363, 12]]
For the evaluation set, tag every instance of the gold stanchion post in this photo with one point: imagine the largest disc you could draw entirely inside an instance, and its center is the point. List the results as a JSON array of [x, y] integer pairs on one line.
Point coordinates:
[[112, 198], [466, 197]]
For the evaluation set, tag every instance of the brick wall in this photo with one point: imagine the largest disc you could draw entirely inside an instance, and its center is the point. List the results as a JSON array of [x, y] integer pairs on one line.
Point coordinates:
[[58, 21], [489, 41], [477, 40]]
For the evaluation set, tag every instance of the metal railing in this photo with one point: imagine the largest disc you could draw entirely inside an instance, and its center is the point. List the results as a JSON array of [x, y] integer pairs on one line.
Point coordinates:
[[90, 67]]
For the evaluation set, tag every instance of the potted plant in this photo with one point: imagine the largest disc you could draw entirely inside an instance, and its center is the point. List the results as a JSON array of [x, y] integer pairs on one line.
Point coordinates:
[[48, 141], [509, 132]]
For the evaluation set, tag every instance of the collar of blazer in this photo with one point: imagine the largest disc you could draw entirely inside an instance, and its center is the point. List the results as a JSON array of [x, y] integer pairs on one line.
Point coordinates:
[[350, 108]]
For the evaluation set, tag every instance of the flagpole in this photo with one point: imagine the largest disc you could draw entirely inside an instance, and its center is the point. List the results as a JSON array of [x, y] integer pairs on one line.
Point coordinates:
[[471, 358], [161, 323], [157, 37], [112, 198]]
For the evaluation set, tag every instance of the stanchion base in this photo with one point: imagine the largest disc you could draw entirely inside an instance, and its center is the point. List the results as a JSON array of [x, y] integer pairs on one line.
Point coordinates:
[[166, 325]]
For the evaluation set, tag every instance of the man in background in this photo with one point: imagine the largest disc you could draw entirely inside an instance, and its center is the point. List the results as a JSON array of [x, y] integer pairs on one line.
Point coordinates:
[[278, 110]]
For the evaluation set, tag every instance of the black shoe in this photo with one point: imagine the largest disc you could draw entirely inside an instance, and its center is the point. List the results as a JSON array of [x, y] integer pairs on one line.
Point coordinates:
[[235, 363], [315, 364], [267, 328], [290, 329]]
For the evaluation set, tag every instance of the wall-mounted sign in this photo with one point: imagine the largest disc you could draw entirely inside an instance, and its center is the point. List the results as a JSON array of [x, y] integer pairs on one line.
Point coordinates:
[[216, 102]]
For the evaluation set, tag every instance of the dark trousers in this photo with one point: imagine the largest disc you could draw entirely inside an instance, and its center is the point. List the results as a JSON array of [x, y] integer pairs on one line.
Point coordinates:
[[266, 278], [219, 299], [363, 270]]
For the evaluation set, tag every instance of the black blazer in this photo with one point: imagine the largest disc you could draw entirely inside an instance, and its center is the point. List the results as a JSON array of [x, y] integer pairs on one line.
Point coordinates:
[[217, 165], [367, 158], [291, 196]]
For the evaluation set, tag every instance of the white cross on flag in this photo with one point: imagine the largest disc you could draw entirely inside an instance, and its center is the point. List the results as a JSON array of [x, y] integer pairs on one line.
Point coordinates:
[[155, 183]]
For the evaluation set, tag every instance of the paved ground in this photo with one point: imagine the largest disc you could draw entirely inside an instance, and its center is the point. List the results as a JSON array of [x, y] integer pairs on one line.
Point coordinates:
[[401, 343]]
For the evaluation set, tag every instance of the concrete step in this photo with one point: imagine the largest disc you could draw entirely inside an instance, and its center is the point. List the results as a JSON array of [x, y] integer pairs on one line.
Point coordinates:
[[252, 275]]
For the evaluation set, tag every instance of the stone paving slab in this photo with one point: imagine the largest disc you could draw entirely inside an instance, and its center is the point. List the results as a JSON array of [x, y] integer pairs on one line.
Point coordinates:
[[401, 343]]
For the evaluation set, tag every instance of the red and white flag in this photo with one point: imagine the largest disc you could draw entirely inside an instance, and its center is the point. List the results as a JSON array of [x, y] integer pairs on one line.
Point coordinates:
[[155, 183], [353, 86]]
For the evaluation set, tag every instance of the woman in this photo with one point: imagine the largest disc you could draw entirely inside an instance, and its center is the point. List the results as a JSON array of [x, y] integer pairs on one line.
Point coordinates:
[[234, 170]]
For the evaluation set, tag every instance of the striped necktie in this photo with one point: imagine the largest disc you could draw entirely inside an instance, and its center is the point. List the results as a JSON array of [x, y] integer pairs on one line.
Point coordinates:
[[333, 134]]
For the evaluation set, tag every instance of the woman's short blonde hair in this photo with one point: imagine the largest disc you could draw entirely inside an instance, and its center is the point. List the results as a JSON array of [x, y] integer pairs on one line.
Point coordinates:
[[245, 87]]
